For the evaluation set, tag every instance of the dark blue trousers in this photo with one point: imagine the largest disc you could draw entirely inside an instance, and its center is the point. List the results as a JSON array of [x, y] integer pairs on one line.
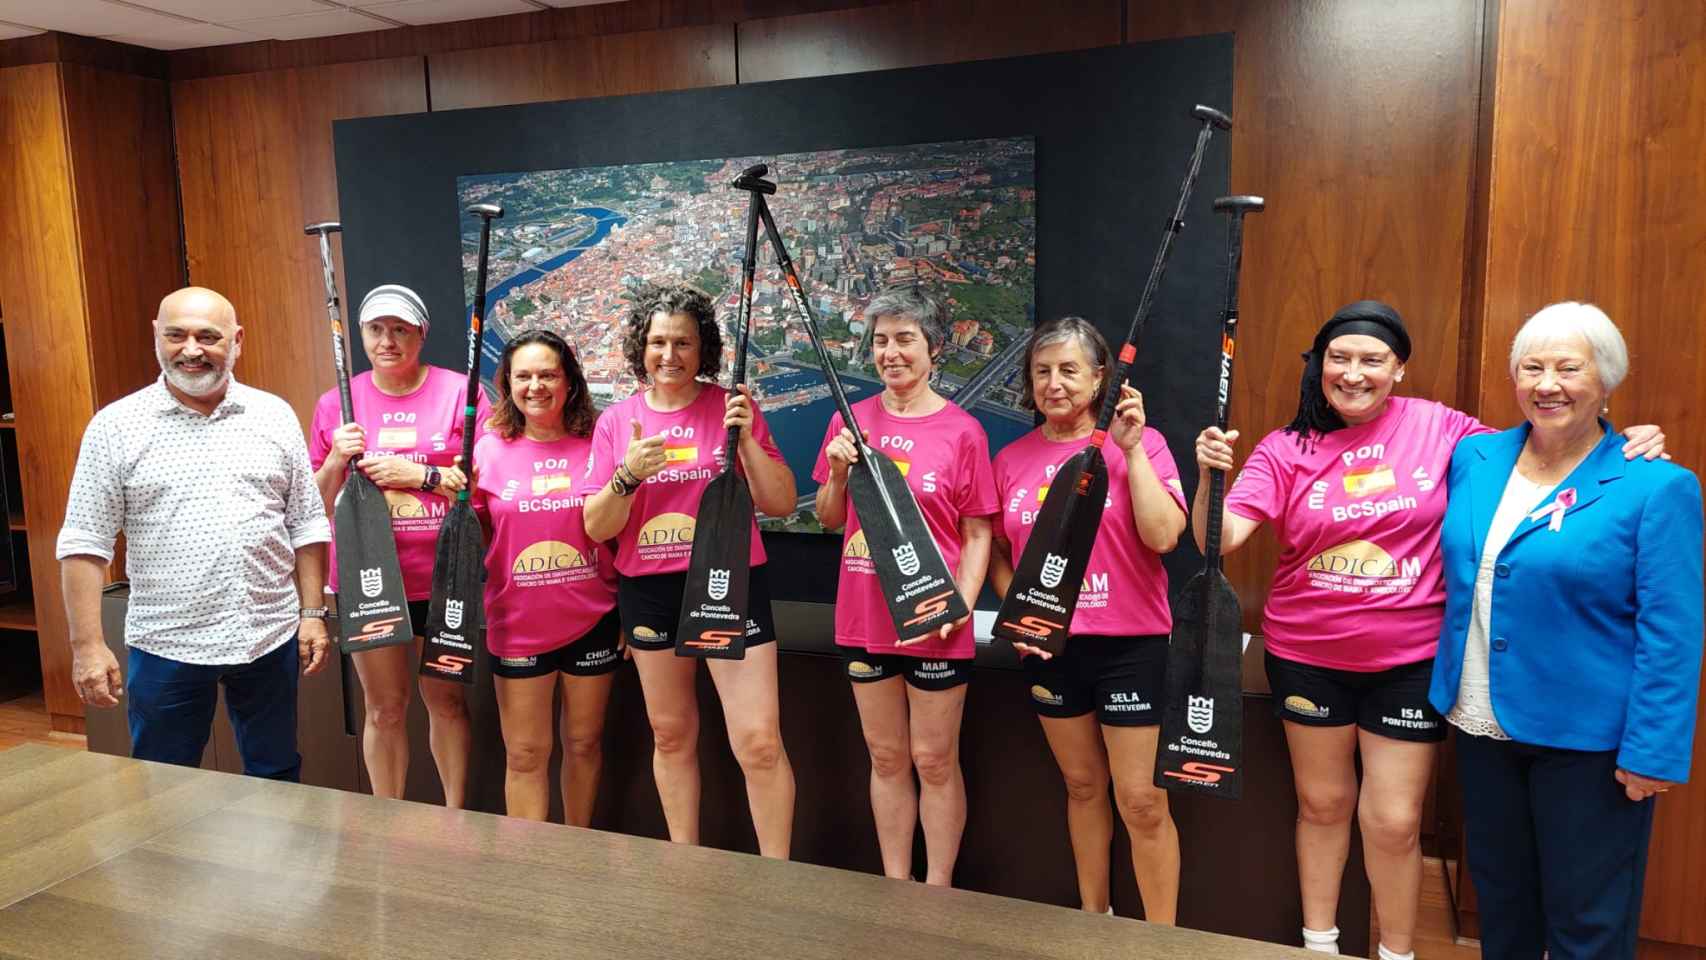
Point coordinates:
[[171, 710], [1557, 851]]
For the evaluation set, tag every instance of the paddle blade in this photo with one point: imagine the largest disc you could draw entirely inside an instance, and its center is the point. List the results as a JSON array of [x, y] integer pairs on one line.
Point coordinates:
[[1201, 749], [1050, 573], [917, 585], [373, 610], [457, 612], [714, 601]]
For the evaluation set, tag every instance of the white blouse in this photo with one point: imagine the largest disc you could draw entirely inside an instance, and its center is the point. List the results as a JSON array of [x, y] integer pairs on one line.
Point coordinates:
[[1473, 712]]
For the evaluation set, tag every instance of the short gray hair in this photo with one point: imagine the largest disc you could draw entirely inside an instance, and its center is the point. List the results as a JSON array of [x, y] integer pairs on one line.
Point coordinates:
[[1069, 330], [912, 302], [1561, 321]]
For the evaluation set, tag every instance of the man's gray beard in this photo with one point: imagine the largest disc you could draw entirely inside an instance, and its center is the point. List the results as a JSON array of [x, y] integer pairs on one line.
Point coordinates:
[[196, 385]]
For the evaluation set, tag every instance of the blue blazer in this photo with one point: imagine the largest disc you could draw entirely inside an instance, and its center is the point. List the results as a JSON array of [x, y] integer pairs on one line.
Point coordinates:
[[1595, 631]]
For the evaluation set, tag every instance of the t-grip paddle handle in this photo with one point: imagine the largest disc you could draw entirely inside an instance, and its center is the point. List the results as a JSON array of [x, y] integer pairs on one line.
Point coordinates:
[[1213, 116], [1238, 206], [752, 179], [749, 182], [1211, 119], [1235, 208], [487, 212], [836, 391], [324, 230]]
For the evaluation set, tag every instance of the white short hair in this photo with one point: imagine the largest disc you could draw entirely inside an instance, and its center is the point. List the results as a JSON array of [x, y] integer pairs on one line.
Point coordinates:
[[1561, 321]]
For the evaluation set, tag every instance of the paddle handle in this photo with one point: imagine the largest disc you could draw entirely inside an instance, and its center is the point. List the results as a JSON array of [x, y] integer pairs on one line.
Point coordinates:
[[1235, 208], [1211, 535], [487, 212], [748, 264], [792, 279], [340, 351], [866, 454], [1211, 120]]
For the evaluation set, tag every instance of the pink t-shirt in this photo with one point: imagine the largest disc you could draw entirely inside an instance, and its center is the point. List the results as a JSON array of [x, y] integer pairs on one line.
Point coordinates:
[[546, 582], [425, 427], [1125, 587], [1358, 585], [945, 458], [659, 534]]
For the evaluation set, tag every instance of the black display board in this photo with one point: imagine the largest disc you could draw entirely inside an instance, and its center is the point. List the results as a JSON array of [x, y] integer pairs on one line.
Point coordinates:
[[1113, 130]]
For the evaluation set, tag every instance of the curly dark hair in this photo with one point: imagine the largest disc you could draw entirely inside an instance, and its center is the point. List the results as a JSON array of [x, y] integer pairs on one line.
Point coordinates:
[[578, 412], [1064, 330], [669, 299]]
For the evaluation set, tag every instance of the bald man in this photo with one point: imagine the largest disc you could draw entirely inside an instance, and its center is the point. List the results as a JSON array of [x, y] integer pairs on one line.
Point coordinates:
[[225, 538]]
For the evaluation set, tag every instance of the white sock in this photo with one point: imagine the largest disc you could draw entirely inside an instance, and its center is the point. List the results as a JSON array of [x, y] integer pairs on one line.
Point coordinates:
[[1321, 941], [1111, 913], [1386, 953]]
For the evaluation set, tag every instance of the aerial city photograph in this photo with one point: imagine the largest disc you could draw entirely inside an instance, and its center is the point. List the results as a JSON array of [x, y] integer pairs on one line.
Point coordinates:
[[958, 217]]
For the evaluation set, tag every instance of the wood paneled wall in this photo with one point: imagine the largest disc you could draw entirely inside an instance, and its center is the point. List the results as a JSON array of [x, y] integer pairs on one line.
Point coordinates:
[[255, 162], [56, 47], [598, 19], [918, 34], [592, 66], [1364, 124], [91, 235], [1370, 176], [127, 199], [1598, 152], [41, 281], [1357, 122]]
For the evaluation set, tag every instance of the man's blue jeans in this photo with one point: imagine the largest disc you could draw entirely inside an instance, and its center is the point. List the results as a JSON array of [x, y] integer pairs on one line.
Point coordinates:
[[171, 710]]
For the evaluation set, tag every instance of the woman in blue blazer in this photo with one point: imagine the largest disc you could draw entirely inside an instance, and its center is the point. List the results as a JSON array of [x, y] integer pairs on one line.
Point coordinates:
[[1569, 659]]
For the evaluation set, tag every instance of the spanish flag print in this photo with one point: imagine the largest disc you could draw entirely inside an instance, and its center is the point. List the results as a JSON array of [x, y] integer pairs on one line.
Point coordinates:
[[551, 483], [397, 438], [687, 452], [1368, 481]]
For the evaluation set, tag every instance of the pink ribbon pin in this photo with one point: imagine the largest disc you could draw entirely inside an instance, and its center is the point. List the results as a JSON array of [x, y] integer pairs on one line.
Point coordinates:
[[1562, 502]]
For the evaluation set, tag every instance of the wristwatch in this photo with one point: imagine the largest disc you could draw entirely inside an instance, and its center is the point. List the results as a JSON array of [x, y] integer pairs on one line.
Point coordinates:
[[432, 479], [312, 613]]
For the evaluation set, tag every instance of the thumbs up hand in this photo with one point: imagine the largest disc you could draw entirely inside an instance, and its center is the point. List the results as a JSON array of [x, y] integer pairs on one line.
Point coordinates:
[[645, 456]]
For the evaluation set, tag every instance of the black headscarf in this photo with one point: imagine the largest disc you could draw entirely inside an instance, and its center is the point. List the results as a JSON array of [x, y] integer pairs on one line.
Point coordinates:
[[1371, 318]]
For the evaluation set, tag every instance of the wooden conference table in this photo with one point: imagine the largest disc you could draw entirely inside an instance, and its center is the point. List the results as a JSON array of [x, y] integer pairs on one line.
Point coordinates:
[[109, 857]]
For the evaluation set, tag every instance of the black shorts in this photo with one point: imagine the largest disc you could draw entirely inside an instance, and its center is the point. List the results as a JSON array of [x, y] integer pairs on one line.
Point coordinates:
[[1392, 703], [920, 673], [592, 654], [1121, 678], [418, 615], [651, 608]]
